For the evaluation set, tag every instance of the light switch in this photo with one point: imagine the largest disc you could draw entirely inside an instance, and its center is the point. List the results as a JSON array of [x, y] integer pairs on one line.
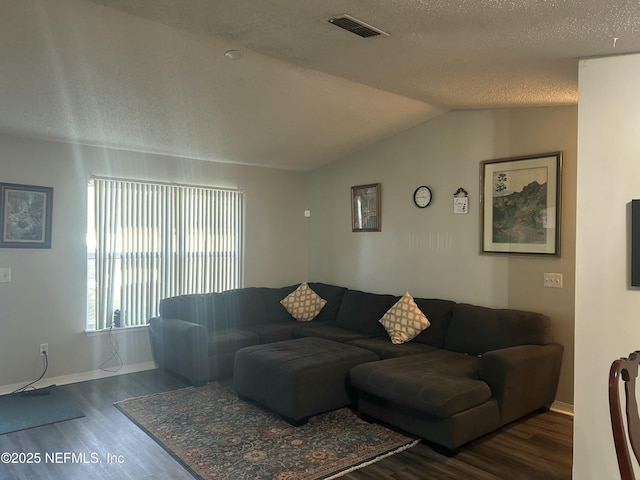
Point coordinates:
[[5, 275], [553, 280]]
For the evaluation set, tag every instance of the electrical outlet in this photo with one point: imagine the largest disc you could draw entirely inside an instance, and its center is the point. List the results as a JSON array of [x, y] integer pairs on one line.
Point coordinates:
[[553, 280], [5, 275], [44, 349]]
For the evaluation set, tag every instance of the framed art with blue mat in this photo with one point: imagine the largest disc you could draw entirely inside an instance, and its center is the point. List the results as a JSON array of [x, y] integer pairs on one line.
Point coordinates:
[[19, 411]]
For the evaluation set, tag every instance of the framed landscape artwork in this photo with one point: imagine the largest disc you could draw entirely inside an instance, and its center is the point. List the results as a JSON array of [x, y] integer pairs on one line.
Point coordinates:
[[365, 208], [520, 205], [25, 216]]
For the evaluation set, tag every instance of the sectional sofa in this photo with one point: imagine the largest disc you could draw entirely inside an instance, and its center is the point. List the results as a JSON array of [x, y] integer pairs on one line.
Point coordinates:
[[457, 372]]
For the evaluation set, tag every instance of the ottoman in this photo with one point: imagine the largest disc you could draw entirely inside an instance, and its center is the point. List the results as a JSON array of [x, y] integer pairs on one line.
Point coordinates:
[[298, 378]]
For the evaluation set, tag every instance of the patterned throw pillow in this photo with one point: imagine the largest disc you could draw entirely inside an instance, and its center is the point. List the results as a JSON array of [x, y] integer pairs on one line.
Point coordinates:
[[303, 303], [404, 320]]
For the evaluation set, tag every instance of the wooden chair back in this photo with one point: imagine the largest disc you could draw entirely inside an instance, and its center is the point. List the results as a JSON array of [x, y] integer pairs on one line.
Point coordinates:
[[625, 370]]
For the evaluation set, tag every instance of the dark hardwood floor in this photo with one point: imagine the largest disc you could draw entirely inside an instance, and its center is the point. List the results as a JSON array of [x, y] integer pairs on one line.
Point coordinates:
[[538, 447]]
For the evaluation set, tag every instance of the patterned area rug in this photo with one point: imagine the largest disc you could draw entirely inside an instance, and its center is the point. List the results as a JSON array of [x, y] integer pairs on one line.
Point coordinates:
[[217, 436]]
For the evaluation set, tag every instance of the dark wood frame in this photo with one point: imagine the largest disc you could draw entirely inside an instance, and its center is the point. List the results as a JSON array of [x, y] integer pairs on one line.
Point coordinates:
[[524, 169], [365, 204], [39, 215]]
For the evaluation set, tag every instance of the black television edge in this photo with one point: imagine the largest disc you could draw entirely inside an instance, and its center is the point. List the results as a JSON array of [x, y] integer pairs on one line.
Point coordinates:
[[635, 243]]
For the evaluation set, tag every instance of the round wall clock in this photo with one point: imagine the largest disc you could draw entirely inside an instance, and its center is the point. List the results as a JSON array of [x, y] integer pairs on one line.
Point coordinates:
[[422, 196]]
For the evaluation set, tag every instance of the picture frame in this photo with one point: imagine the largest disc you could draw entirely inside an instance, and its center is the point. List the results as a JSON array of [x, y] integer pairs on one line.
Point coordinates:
[[365, 208], [520, 205], [26, 213]]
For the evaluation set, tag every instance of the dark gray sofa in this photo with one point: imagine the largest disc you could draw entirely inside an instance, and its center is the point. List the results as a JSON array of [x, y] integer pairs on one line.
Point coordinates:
[[473, 370]]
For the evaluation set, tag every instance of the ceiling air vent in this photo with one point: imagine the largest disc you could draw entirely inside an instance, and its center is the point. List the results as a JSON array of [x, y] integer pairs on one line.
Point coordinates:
[[356, 26]]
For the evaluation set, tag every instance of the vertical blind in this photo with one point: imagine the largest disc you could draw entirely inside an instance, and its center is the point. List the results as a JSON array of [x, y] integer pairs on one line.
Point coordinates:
[[149, 241]]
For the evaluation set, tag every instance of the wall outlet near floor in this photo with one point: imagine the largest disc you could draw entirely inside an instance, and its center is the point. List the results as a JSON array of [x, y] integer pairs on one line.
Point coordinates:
[[553, 280], [44, 349]]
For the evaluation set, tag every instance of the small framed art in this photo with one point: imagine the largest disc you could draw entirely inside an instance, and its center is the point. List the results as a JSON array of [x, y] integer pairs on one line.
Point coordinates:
[[25, 216], [365, 208]]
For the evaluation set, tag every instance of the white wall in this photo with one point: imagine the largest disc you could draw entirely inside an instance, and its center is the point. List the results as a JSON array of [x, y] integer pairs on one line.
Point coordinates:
[[46, 301], [607, 318], [432, 252]]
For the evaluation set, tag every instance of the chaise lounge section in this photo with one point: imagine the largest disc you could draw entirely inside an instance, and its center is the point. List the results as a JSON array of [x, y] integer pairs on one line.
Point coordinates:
[[460, 372], [496, 366]]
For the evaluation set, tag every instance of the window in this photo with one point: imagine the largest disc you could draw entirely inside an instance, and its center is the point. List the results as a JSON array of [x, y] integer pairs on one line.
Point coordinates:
[[148, 241]]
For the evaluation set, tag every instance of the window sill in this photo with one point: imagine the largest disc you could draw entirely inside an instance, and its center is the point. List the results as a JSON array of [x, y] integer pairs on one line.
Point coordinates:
[[115, 330]]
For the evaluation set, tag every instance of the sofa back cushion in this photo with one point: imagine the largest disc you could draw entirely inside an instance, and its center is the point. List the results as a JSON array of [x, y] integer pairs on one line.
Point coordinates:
[[245, 306], [476, 330], [276, 313], [439, 313], [242, 306], [202, 309], [360, 311], [333, 295]]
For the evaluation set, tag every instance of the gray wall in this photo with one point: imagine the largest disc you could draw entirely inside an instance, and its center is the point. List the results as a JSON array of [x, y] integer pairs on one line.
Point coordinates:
[[432, 252], [46, 301]]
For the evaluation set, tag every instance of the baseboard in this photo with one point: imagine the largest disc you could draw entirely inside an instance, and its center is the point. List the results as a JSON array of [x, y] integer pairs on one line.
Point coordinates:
[[81, 377], [561, 407]]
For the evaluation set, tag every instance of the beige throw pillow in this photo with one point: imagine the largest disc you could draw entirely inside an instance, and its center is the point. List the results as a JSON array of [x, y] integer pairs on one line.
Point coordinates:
[[303, 303], [404, 320]]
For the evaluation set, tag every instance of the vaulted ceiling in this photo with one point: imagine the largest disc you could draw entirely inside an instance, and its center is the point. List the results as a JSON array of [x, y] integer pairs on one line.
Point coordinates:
[[273, 82]]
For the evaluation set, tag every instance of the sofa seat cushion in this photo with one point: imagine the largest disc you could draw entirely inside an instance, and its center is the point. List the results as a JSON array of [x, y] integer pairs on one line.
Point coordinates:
[[385, 349], [229, 340], [278, 331], [439, 383], [329, 332], [272, 332]]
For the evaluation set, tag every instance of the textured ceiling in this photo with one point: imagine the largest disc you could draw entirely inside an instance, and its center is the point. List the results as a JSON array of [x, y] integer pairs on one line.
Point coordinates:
[[151, 75]]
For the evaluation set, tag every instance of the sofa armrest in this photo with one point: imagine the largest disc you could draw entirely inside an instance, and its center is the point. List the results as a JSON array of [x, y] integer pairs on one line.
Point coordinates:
[[523, 378], [181, 347]]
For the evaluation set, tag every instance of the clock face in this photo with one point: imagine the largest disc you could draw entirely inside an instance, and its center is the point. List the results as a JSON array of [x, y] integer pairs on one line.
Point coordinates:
[[422, 196]]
